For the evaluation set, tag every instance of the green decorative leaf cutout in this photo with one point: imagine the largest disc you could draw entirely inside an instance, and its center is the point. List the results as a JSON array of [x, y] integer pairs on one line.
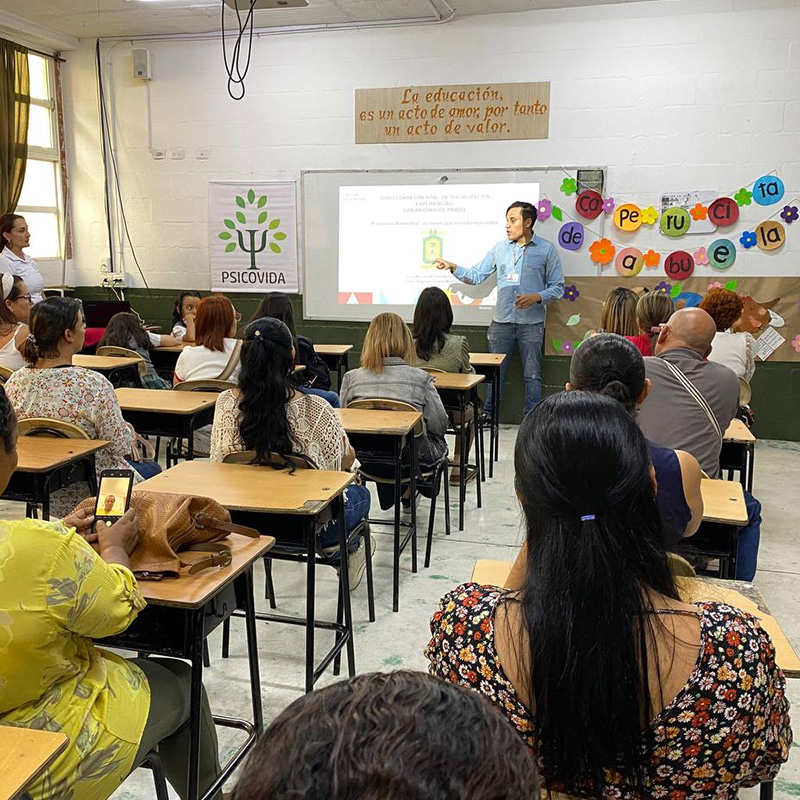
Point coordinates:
[[675, 291], [557, 213], [262, 201], [225, 235], [241, 217], [274, 224], [274, 247], [574, 320], [240, 201], [280, 236], [262, 217], [251, 196], [557, 345], [733, 285], [230, 247], [229, 223]]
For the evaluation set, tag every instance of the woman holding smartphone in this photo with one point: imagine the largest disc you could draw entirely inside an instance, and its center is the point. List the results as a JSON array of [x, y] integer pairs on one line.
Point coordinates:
[[57, 593]]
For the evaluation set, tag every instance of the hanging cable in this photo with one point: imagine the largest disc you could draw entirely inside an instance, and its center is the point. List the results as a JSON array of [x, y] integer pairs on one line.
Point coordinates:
[[237, 75], [104, 128]]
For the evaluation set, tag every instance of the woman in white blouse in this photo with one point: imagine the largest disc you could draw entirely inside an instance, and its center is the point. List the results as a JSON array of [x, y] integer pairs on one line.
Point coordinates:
[[12, 333], [215, 355], [734, 350], [14, 235]]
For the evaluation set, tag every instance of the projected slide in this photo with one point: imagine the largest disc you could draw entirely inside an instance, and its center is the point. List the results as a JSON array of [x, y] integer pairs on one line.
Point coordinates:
[[389, 237]]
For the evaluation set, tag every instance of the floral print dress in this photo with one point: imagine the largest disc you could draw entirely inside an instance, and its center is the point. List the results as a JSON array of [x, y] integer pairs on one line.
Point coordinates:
[[83, 398], [55, 594], [728, 727]]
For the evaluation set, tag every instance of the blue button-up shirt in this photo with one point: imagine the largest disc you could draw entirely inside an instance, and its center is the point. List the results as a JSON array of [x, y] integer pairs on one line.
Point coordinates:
[[536, 267]]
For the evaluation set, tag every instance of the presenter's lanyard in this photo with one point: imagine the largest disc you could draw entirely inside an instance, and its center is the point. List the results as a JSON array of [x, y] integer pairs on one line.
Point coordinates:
[[519, 255]]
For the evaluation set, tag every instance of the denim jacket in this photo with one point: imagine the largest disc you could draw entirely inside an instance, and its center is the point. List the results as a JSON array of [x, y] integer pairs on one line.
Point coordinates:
[[398, 381]]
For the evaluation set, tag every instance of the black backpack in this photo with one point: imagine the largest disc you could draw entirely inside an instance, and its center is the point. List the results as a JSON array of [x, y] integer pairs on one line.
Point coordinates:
[[316, 374]]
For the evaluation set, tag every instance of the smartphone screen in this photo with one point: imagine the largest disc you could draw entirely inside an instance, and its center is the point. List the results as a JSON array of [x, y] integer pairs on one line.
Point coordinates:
[[113, 495]]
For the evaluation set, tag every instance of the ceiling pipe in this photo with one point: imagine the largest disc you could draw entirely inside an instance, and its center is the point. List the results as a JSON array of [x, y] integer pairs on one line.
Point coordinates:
[[438, 18]]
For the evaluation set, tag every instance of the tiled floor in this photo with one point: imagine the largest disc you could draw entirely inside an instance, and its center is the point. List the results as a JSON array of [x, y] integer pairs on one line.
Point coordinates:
[[397, 640]]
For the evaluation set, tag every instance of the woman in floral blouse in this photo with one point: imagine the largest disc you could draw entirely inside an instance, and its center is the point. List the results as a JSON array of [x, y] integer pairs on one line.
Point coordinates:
[[56, 595], [621, 689], [51, 387]]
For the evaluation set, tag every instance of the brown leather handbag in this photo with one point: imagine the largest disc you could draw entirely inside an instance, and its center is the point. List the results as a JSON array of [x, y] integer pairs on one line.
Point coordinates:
[[173, 525]]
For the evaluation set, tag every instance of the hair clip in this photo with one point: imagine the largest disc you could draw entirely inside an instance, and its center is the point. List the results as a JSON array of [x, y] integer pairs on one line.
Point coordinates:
[[587, 517], [32, 339], [655, 329], [257, 334]]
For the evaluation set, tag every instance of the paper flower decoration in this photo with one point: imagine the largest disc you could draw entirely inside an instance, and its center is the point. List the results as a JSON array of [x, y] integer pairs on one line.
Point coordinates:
[[571, 293], [608, 205], [789, 214], [569, 186], [651, 259], [699, 212], [796, 343], [603, 251], [567, 347], [544, 210], [715, 285], [701, 257], [747, 239], [649, 216], [664, 287], [743, 197]]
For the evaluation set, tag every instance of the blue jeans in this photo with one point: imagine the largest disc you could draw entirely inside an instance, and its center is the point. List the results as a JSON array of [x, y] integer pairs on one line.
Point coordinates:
[[749, 537], [331, 397], [356, 507], [503, 337]]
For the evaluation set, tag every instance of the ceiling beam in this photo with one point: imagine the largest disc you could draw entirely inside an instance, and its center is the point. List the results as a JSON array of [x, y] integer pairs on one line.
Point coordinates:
[[27, 32]]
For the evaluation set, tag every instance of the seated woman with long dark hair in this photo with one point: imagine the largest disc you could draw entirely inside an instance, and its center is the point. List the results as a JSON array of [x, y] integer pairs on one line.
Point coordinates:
[[267, 414], [621, 689], [126, 330], [315, 378]]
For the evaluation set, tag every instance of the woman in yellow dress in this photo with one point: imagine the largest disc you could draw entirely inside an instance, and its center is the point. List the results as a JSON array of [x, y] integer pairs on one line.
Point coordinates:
[[56, 594]]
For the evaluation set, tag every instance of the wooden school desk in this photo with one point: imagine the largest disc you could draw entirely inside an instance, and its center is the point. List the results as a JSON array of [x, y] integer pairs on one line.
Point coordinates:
[[260, 493], [336, 358], [47, 464], [161, 412], [739, 453], [489, 364], [115, 369], [181, 613], [465, 387], [24, 756], [362, 426], [724, 512]]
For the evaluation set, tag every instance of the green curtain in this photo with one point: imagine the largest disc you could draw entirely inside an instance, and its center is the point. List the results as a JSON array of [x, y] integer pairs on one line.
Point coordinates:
[[15, 102]]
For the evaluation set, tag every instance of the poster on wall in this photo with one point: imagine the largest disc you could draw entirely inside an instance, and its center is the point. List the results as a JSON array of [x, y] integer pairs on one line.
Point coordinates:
[[253, 236]]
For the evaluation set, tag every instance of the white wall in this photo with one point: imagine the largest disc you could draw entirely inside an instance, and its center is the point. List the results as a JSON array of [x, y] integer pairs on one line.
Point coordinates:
[[670, 95]]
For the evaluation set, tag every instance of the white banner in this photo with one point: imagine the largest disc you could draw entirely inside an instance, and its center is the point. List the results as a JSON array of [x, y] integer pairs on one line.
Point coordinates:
[[253, 236]]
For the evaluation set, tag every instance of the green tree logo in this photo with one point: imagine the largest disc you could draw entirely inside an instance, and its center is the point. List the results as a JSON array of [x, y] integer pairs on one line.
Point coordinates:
[[248, 239]]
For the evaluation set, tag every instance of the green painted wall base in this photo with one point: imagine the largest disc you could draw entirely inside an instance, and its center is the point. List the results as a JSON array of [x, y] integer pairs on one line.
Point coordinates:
[[776, 386]]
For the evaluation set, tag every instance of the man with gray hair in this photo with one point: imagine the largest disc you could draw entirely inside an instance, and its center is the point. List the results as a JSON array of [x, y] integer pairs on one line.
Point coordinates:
[[691, 406]]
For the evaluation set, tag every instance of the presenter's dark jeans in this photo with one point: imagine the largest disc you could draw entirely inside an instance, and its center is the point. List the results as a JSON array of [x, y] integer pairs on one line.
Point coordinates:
[[503, 338]]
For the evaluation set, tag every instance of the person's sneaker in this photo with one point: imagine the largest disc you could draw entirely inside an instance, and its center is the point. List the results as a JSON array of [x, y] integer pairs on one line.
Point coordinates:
[[357, 562], [405, 503]]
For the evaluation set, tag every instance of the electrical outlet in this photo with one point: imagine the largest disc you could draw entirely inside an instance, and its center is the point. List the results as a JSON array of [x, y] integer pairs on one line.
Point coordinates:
[[202, 154], [158, 154], [104, 267], [178, 154], [113, 281]]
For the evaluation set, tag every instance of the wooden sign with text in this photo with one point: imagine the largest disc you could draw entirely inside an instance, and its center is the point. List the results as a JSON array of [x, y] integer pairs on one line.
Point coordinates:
[[453, 113]]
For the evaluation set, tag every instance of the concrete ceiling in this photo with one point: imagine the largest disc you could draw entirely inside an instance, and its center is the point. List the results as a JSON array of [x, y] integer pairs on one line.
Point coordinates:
[[100, 18]]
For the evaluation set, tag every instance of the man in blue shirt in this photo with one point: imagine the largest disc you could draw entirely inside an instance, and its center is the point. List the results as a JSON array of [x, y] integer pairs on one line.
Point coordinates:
[[529, 275]]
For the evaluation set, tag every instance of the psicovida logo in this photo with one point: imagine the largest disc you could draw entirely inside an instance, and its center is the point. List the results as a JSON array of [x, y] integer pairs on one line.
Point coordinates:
[[252, 231]]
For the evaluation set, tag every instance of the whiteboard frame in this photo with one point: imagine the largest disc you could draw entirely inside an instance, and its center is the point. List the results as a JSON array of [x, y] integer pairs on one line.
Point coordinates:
[[571, 170]]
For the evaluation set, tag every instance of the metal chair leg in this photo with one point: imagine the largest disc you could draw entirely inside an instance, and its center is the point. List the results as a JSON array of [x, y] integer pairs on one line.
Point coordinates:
[[269, 586], [153, 762], [226, 637], [370, 586]]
